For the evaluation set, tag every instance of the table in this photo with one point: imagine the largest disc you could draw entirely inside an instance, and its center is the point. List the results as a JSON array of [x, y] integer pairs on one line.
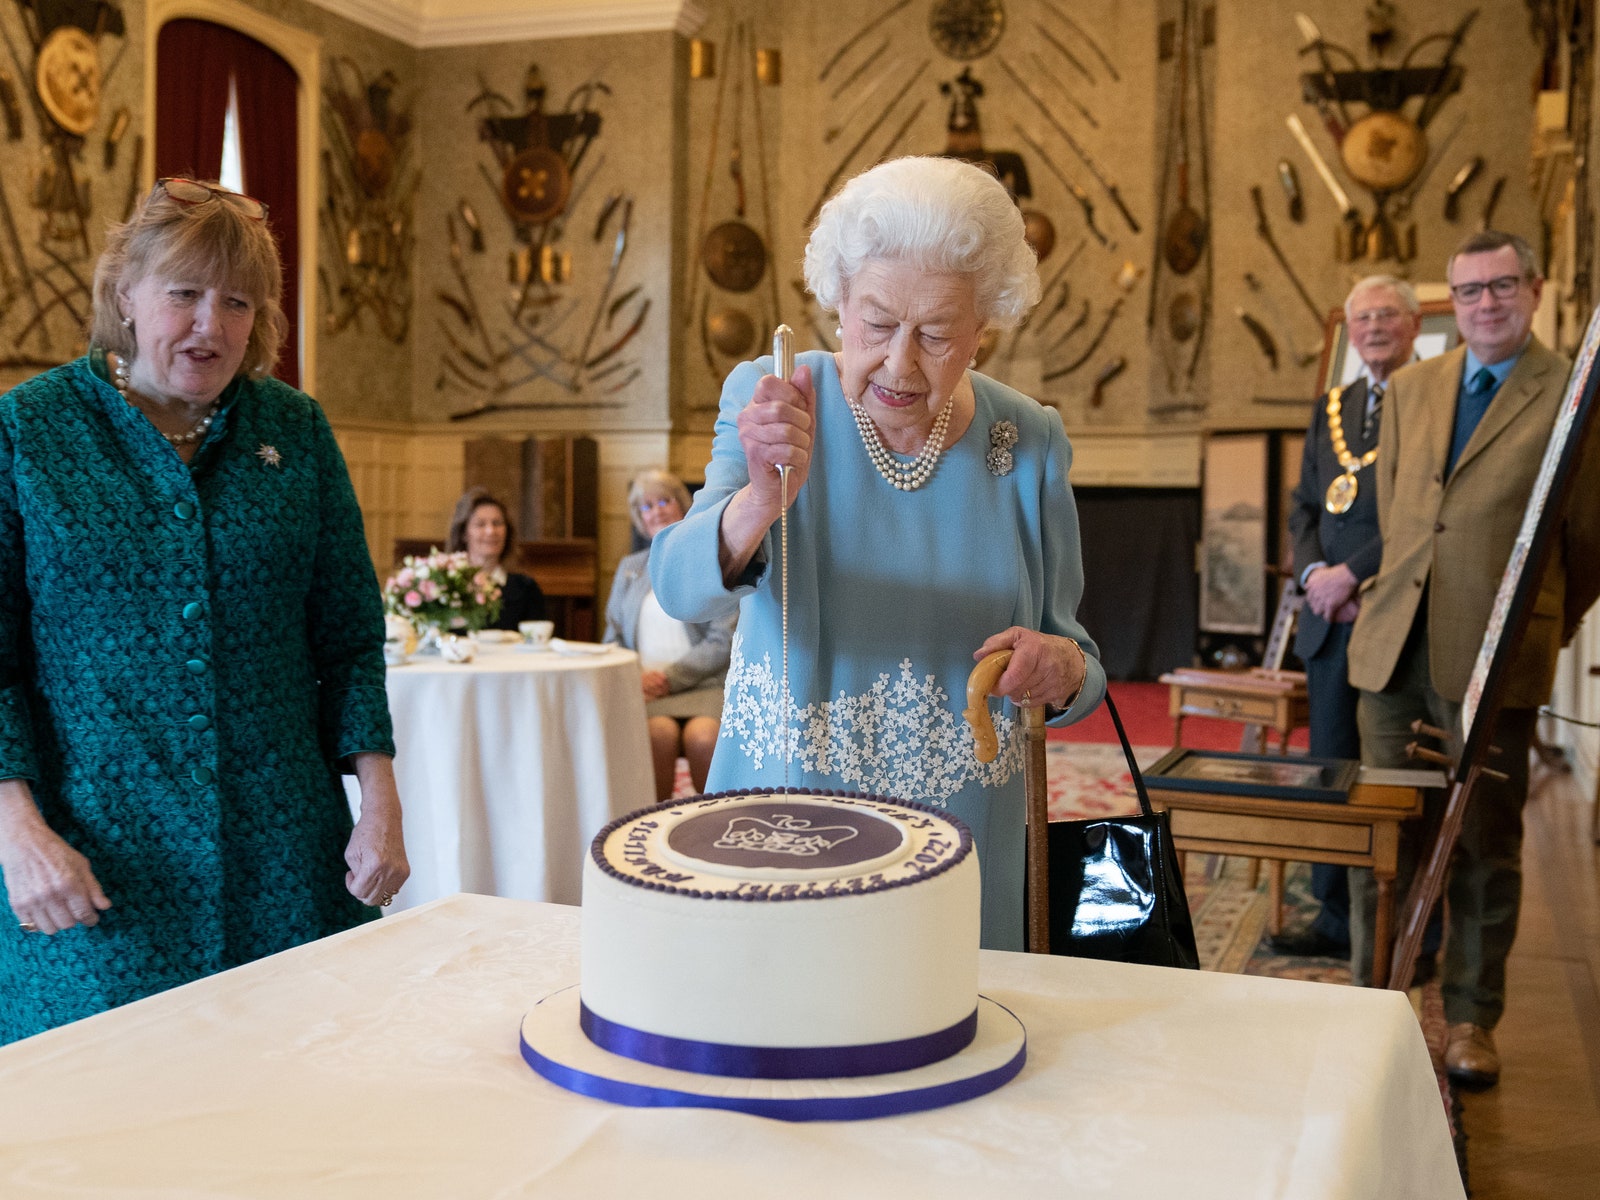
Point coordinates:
[[1258, 697], [510, 764], [1365, 832], [383, 1062]]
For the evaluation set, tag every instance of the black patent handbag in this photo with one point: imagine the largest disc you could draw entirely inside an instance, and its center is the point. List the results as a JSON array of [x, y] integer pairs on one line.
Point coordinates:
[[1116, 891]]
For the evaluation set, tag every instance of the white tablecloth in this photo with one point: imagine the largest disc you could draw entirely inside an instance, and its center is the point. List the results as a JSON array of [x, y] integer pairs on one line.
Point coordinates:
[[383, 1063], [510, 764]]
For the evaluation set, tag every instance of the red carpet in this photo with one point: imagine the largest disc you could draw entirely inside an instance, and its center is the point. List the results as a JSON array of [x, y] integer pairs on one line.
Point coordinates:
[[1144, 711]]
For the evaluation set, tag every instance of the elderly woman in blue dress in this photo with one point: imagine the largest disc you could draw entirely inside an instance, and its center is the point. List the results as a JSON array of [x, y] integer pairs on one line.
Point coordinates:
[[191, 638], [682, 663], [930, 524]]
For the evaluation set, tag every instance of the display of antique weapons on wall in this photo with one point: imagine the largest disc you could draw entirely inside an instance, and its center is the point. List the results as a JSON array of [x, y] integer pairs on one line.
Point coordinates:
[[52, 69], [877, 89], [366, 215], [727, 301], [553, 329], [1178, 312], [1384, 149]]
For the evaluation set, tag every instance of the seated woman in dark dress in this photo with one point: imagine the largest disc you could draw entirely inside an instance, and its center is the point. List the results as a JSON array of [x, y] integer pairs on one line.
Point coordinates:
[[481, 526]]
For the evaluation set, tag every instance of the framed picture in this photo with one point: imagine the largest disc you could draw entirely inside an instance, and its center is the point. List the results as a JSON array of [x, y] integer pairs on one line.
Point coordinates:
[[1276, 776], [1339, 366], [1233, 532]]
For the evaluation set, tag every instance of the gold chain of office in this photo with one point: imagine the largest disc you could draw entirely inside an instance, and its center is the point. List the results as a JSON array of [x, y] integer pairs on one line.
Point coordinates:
[[1342, 491]]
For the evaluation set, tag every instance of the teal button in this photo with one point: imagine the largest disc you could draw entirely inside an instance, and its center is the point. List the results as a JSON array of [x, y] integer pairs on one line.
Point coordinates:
[[197, 666], [192, 610], [202, 775], [199, 722], [183, 510]]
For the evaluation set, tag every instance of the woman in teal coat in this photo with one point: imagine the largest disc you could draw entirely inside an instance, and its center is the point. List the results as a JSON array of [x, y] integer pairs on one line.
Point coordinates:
[[190, 638]]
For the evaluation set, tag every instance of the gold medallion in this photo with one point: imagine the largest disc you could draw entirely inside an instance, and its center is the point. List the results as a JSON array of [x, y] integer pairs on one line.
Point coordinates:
[[1341, 494]]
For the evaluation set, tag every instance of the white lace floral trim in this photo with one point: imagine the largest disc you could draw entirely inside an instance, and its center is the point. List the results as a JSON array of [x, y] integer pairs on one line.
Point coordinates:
[[900, 738]]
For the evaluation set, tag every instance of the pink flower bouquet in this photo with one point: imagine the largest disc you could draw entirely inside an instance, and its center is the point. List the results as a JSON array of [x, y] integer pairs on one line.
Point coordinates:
[[444, 591]]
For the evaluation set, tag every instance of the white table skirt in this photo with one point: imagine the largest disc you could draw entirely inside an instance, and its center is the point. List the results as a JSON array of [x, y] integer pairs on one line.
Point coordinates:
[[384, 1063], [509, 765]]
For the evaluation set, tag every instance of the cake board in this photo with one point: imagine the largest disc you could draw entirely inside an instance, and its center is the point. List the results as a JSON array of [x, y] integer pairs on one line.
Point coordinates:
[[555, 1046]]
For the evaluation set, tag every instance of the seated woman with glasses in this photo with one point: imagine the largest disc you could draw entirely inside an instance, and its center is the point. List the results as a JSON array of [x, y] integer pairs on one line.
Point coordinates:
[[481, 526], [191, 637], [683, 662]]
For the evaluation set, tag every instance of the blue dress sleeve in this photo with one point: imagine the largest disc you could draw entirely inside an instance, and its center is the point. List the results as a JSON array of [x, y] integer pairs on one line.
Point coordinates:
[[1063, 572], [685, 571]]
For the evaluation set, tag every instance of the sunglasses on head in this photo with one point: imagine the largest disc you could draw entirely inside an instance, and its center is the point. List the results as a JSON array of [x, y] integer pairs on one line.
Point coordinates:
[[192, 191]]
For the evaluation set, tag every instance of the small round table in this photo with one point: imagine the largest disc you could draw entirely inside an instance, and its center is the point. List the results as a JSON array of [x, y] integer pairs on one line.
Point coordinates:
[[508, 766]]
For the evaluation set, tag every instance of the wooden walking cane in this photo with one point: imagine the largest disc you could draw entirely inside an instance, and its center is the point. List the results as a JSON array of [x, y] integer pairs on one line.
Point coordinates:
[[1035, 785]]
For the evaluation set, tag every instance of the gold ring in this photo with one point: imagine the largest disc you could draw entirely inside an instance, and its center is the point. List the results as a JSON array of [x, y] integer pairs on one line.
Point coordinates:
[[387, 897], [1027, 698], [27, 927]]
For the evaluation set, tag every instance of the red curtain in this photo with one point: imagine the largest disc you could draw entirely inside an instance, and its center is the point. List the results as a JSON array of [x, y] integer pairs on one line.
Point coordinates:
[[194, 62]]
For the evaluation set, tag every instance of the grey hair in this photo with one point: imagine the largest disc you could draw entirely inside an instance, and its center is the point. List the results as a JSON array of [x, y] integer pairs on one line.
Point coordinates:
[[938, 214], [651, 483], [1407, 293], [1487, 242]]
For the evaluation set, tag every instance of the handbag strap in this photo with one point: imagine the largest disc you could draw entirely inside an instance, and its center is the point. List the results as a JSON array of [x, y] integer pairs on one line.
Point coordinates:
[[1127, 751]]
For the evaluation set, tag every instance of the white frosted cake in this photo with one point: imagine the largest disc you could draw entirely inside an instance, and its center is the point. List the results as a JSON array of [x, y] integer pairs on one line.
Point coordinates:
[[782, 936]]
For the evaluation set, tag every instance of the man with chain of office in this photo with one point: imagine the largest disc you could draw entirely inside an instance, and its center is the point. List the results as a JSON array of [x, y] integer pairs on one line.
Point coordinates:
[[1334, 523]]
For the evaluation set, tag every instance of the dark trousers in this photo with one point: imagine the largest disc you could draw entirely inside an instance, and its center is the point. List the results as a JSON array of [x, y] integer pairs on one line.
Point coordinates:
[[1483, 893], [1334, 734]]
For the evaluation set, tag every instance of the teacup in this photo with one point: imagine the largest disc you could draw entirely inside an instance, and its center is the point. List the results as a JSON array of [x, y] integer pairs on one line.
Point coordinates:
[[454, 649], [394, 654], [537, 633]]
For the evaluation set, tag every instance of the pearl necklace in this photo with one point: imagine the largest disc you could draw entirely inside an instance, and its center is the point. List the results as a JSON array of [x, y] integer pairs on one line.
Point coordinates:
[[198, 432], [120, 379], [905, 477]]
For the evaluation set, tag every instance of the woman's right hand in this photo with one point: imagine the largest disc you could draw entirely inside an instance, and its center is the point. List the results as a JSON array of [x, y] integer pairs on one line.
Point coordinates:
[[775, 431], [50, 885]]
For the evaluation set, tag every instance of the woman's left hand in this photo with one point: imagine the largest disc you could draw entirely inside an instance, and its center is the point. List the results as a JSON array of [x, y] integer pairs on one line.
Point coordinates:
[[1044, 668], [376, 854]]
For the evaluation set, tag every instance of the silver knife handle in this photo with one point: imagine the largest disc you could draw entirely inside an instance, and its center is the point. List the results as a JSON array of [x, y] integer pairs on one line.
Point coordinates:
[[783, 352]]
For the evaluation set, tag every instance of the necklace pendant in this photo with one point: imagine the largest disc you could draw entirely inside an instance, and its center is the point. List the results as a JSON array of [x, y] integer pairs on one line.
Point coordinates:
[[1341, 493]]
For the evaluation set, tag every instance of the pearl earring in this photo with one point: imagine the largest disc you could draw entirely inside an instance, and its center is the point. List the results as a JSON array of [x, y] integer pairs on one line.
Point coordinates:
[[127, 322], [838, 332], [972, 362]]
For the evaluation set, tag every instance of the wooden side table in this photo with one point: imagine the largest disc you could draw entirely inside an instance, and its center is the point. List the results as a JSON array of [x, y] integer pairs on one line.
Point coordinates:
[[1365, 832], [1258, 697]]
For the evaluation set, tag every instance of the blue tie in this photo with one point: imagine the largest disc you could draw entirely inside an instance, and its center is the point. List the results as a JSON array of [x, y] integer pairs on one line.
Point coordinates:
[[1471, 406]]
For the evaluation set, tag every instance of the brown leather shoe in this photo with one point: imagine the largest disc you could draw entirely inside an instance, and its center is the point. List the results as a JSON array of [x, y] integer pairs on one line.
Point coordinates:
[[1470, 1057]]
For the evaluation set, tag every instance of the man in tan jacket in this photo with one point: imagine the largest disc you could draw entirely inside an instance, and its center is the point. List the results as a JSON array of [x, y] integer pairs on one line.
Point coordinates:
[[1462, 439]]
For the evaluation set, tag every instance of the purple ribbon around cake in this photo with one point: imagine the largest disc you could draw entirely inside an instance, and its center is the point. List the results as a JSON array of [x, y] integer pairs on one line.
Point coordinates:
[[778, 1062], [807, 1108]]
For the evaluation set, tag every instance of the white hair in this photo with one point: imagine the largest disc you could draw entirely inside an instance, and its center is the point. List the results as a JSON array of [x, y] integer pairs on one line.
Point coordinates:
[[1402, 289], [938, 214]]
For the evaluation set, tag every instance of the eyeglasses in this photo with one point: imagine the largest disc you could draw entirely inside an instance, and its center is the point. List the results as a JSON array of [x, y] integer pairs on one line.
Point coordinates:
[[192, 191], [1376, 316], [657, 504], [1504, 287]]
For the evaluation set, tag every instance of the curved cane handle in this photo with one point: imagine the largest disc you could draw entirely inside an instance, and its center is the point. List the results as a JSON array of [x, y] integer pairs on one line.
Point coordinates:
[[979, 685]]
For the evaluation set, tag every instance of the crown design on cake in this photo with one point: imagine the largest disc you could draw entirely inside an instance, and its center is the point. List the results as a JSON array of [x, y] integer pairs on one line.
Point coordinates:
[[784, 834]]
